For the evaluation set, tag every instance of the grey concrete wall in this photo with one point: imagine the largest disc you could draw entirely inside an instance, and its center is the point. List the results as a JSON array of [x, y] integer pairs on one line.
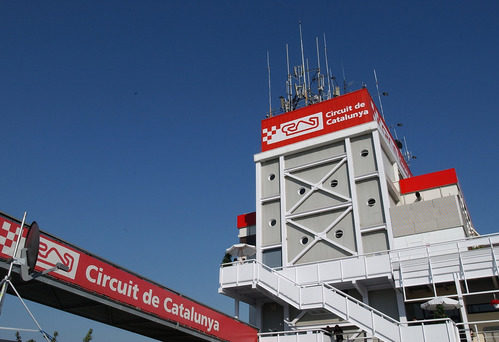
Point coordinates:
[[426, 216]]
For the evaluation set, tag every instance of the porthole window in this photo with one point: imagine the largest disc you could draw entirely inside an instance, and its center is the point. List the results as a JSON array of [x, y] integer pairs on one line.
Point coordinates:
[[304, 240], [301, 191], [338, 233], [371, 202], [272, 222], [334, 183], [271, 177], [364, 153]]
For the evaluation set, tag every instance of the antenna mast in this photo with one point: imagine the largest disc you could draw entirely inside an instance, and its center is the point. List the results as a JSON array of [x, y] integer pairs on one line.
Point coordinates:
[[320, 78], [327, 70], [270, 89], [344, 79], [303, 67], [379, 96], [289, 85]]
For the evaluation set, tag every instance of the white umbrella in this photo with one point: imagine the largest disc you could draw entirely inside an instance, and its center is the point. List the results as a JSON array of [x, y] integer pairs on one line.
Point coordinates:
[[447, 304], [241, 249]]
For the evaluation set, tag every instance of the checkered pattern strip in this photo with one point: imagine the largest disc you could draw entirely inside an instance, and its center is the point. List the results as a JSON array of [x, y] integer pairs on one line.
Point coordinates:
[[267, 134], [8, 237]]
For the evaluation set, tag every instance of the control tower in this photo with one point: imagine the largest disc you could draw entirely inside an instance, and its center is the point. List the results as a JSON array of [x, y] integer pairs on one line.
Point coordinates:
[[347, 241]]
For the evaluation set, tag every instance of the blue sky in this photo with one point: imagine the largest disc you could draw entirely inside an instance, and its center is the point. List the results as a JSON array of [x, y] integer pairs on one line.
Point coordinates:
[[129, 127]]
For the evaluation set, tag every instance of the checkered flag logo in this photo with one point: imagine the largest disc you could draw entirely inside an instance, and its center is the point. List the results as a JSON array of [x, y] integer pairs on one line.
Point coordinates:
[[8, 237], [292, 129], [268, 133]]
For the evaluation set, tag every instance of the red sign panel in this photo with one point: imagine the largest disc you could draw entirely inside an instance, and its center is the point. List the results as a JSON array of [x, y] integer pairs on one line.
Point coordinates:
[[428, 181], [97, 276], [325, 117], [333, 115]]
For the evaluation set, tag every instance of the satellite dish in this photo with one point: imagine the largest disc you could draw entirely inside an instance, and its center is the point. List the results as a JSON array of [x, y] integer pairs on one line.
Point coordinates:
[[32, 245], [29, 256]]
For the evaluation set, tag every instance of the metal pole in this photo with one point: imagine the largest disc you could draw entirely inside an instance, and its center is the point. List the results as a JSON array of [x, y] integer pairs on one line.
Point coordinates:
[[5, 281]]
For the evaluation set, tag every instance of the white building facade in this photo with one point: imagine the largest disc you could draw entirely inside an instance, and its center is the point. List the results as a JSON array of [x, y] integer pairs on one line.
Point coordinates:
[[346, 236]]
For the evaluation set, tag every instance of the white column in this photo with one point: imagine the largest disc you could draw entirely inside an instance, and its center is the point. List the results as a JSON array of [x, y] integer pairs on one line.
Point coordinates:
[[236, 308], [286, 317], [462, 309], [401, 306]]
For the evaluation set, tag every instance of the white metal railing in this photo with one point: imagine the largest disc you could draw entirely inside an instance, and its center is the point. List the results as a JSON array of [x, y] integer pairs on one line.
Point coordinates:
[[374, 322], [414, 332], [473, 257], [470, 258], [315, 335]]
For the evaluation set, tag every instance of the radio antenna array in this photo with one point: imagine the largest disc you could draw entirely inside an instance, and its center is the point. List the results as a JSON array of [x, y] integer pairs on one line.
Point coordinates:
[[302, 78], [270, 89]]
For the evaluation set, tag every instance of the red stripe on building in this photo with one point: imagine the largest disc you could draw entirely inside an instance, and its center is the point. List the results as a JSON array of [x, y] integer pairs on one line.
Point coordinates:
[[428, 181], [246, 220]]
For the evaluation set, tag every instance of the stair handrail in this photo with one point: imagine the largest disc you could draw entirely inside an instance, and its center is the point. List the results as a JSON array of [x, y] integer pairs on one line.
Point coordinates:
[[256, 277], [332, 288]]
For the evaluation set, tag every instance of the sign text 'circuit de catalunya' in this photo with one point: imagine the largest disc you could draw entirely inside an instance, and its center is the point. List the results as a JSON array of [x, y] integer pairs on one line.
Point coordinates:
[[326, 117], [102, 278]]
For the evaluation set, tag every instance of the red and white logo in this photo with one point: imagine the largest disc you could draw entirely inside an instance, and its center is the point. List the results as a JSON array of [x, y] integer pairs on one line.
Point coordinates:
[[294, 128], [49, 254]]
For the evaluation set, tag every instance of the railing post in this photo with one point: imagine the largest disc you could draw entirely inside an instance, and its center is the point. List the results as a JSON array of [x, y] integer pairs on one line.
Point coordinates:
[[347, 313], [237, 274], [323, 296], [373, 328], [430, 271], [318, 274], [256, 271], [496, 271], [400, 332], [447, 323], [366, 272], [424, 335]]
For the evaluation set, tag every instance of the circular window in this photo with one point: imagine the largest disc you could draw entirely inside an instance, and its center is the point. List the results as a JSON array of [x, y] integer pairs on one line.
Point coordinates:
[[304, 240], [334, 183], [272, 222], [271, 177], [301, 191], [364, 153], [338, 233], [371, 202]]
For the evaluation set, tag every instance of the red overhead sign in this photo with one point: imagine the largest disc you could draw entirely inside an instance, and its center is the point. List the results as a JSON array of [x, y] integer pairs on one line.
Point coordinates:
[[329, 116], [311, 121], [102, 278]]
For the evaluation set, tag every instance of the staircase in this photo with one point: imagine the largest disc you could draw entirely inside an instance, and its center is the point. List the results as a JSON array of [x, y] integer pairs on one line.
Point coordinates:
[[320, 295]]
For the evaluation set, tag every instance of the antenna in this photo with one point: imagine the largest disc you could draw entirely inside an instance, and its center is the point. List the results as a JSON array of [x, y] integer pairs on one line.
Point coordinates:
[[320, 78], [327, 70], [408, 155], [289, 89], [303, 66], [379, 96], [308, 88], [270, 90], [300, 80], [344, 79]]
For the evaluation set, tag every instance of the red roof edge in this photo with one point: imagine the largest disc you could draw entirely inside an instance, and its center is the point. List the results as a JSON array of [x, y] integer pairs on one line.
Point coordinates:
[[428, 181], [246, 220]]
